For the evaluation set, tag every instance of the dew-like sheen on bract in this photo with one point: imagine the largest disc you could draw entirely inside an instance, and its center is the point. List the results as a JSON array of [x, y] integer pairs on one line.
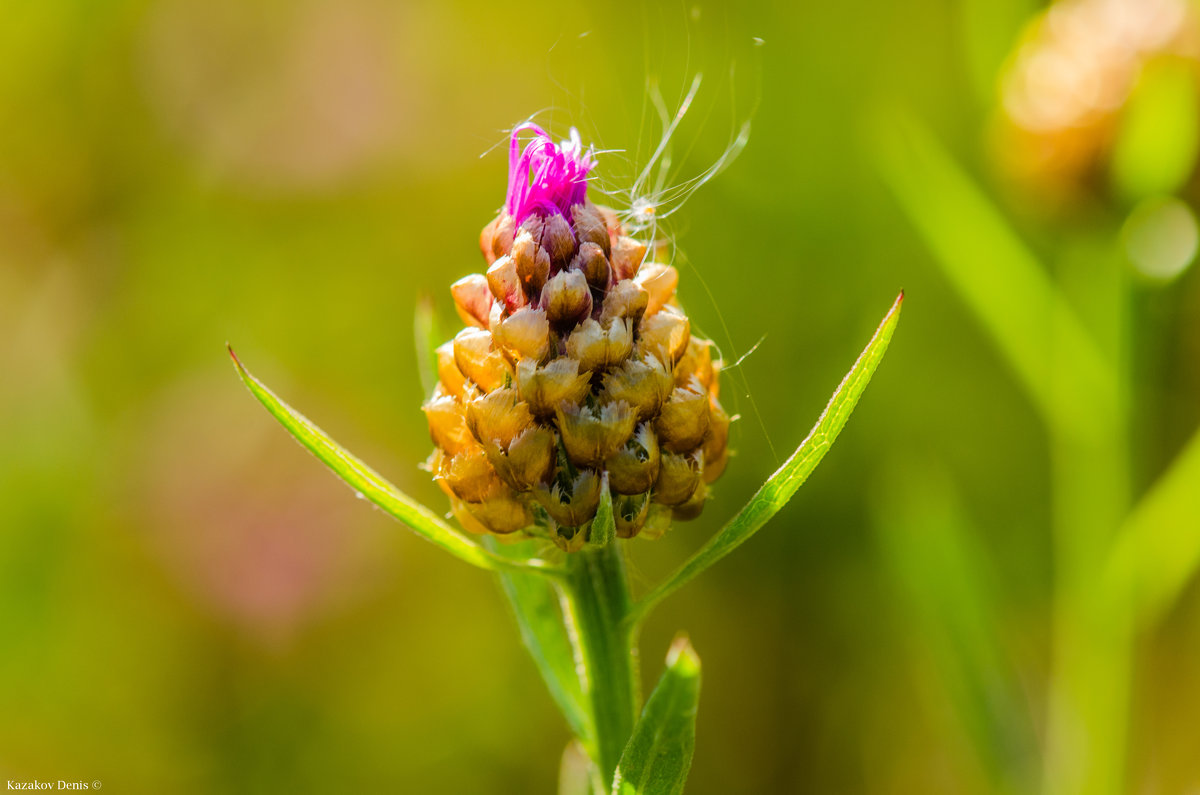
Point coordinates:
[[576, 371]]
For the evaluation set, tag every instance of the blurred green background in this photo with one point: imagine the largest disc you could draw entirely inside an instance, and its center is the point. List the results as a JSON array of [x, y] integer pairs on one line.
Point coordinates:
[[189, 603]]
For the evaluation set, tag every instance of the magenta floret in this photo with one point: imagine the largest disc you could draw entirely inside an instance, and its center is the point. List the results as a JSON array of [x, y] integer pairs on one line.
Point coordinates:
[[546, 178]]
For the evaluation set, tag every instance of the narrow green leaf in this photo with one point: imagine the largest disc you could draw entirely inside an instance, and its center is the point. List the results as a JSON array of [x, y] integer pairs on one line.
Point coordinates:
[[657, 758], [604, 527], [1155, 149], [944, 578], [1158, 549], [537, 606], [372, 486], [999, 278], [781, 486]]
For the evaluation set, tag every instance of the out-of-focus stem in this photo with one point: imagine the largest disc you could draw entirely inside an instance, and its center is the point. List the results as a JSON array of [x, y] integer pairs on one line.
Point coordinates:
[[1093, 626]]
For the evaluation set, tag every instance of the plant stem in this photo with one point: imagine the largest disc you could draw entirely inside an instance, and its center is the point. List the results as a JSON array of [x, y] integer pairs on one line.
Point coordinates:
[[597, 591]]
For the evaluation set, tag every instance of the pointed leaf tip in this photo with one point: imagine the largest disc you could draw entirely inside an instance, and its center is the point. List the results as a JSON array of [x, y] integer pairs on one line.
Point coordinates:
[[779, 488], [659, 753], [682, 655]]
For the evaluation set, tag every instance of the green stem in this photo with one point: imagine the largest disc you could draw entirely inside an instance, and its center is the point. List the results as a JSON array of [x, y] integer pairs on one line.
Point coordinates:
[[597, 592]]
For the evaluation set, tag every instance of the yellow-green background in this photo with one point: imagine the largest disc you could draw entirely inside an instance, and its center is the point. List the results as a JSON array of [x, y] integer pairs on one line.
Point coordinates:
[[189, 603]]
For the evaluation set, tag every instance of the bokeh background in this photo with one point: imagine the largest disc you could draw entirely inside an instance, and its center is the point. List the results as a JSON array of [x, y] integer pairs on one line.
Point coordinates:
[[190, 603]]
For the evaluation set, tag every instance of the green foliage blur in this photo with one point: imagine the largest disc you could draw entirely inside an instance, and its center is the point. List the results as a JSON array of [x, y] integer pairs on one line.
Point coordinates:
[[190, 603]]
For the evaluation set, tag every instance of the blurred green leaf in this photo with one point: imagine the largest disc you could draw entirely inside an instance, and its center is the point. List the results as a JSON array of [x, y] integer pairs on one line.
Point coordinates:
[[989, 32], [781, 486], [999, 278], [935, 557], [370, 485], [1155, 151], [1158, 549], [657, 758], [537, 606]]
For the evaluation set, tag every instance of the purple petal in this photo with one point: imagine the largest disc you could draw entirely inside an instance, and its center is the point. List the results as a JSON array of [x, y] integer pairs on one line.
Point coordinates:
[[545, 177]]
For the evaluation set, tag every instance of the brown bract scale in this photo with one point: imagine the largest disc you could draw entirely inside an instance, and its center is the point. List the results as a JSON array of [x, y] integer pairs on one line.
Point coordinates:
[[596, 348], [659, 282], [590, 227], [567, 299], [472, 299], [591, 262], [577, 371], [532, 263]]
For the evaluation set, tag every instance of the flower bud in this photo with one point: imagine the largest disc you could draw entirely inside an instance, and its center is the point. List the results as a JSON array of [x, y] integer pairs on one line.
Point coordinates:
[[447, 423], [485, 240], [684, 419], [505, 285], [478, 359], [472, 299], [567, 299], [592, 434], [590, 227], [534, 225], [644, 385], [659, 282], [629, 514], [571, 539], [714, 389], [591, 262], [678, 478], [612, 221], [449, 376], [546, 387], [498, 417], [503, 514], [471, 477], [626, 299], [528, 460], [694, 506], [532, 261], [696, 362], [595, 349], [658, 522], [664, 335], [525, 334], [634, 468], [502, 236], [572, 502], [465, 517], [627, 255], [558, 239], [716, 442]]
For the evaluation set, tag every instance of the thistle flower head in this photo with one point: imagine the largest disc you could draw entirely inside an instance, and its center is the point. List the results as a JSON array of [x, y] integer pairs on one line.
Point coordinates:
[[544, 177], [576, 371]]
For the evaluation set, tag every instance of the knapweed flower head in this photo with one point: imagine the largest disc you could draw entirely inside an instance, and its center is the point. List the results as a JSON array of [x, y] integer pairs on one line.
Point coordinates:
[[576, 372]]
